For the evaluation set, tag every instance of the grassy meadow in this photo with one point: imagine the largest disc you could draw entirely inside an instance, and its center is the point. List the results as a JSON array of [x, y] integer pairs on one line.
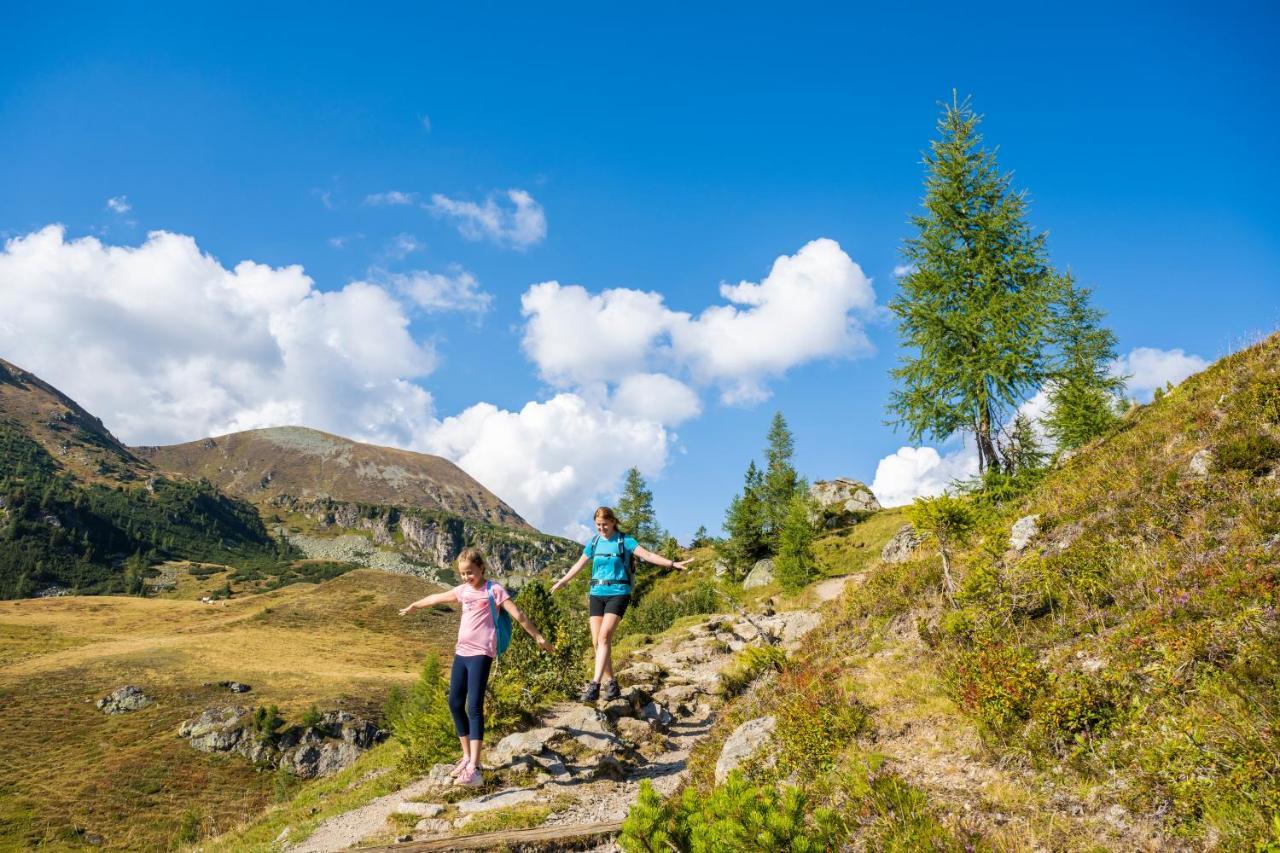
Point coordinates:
[[74, 777]]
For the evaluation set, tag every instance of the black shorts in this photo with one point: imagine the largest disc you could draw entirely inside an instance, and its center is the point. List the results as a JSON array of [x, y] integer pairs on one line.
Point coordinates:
[[602, 604]]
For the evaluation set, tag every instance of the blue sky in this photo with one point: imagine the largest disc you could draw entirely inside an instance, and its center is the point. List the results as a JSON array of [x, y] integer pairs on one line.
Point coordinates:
[[666, 151]]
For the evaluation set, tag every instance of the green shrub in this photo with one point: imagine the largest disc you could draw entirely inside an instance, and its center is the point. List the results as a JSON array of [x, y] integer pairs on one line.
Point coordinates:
[[737, 816], [1253, 454], [747, 665], [997, 681], [267, 719], [312, 717], [818, 718], [420, 720], [656, 611]]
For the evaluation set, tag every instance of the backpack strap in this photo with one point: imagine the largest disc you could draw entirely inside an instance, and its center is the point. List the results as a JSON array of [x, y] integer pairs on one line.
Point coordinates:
[[493, 608]]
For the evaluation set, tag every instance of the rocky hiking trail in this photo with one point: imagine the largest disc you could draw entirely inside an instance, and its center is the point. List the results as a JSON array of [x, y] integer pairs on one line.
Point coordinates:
[[584, 763]]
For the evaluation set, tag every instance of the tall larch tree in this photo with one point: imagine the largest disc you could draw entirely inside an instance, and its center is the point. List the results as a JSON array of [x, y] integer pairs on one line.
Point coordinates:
[[781, 482], [974, 309]]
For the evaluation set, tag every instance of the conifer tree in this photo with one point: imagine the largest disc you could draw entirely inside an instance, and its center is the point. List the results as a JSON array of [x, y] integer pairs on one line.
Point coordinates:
[[635, 511], [1084, 394], [780, 479], [744, 523], [795, 564], [1022, 450], [975, 307]]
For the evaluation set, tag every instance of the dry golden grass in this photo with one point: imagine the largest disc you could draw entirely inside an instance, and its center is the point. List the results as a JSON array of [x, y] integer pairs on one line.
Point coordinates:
[[70, 772]]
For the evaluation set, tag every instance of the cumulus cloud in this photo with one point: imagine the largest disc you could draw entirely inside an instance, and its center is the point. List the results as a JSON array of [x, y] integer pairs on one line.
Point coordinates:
[[437, 292], [551, 460], [522, 224], [391, 198], [403, 245], [119, 204], [166, 344], [903, 270], [808, 307], [656, 397], [1149, 368], [913, 472]]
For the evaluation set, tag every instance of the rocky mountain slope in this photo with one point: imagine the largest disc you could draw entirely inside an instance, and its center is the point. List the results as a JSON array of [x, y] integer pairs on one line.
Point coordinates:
[[263, 464]]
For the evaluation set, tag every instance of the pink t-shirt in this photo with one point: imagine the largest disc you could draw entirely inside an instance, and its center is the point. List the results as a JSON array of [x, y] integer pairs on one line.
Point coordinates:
[[476, 633]]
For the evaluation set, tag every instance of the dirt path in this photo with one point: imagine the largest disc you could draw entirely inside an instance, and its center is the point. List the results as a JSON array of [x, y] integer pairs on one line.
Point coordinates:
[[586, 763]]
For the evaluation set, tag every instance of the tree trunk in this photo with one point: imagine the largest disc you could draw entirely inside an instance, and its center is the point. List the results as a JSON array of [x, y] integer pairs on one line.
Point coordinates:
[[948, 585], [988, 460]]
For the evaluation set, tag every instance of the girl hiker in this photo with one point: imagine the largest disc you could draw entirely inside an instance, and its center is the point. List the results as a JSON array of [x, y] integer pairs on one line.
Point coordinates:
[[477, 647], [610, 552]]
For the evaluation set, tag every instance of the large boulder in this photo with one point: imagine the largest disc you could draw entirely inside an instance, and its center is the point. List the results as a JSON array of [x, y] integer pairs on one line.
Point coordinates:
[[589, 728], [124, 699], [761, 574], [747, 740], [217, 729], [843, 500], [899, 548], [519, 745]]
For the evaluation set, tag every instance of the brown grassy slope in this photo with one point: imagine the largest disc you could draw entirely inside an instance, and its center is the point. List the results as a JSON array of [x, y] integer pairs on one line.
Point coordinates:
[[70, 771], [264, 463], [77, 439]]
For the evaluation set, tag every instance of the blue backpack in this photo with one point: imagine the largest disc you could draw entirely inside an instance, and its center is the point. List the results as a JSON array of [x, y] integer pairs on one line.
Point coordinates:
[[501, 620]]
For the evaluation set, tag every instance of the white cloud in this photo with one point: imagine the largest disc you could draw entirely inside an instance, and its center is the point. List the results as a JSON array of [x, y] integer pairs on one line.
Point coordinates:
[[392, 198], [119, 204], [1149, 368], [435, 292], [519, 226], [552, 461], [914, 472], [425, 120], [166, 344], [403, 245], [903, 270], [807, 308], [656, 397]]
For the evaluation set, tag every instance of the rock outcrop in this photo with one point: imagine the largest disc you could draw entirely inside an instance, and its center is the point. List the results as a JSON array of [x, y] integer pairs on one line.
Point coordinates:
[[747, 740], [1024, 530], [335, 742], [843, 501], [124, 699], [761, 574], [899, 548]]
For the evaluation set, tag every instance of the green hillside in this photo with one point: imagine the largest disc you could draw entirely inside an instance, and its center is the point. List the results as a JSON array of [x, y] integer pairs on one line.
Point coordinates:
[[1115, 684]]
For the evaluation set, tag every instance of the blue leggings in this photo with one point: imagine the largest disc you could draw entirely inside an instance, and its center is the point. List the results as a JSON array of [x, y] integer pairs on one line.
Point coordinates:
[[466, 694]]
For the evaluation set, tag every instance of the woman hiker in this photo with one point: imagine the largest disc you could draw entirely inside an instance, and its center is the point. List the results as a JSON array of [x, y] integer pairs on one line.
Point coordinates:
[[610, 552], [474, 654]]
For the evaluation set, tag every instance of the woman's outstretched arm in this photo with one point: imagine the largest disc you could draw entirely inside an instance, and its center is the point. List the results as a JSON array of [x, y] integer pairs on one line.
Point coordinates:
[[569, 575], [449, 597], [659, 560]]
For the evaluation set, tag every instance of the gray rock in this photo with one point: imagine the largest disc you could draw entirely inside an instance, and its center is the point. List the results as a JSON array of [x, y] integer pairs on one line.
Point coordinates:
[[420, 809], [235, 686], [722, 569], [641, 674], [760, 575], [1024, 530], [657, 716], [844, 496], [634, 730], [124, 699], [605, 766], [899, 548], [217, 729], [311, 761], [1201, 463], [518, 745], [435, 826], [617, 709], [746, 740], [498, 800], [589, 728]]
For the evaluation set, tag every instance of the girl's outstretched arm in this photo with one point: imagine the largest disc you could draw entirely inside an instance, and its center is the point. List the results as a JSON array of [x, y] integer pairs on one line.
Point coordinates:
[[518, 615], [568, 576], [659, 560], [449, 597]]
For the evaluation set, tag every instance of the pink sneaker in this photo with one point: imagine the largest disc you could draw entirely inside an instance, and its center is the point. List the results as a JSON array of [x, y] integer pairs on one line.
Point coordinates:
[[470, 777], [459, 767]]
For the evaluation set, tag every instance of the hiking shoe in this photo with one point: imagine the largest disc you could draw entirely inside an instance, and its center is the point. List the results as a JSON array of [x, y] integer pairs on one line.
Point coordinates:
[[611, 691], [470, 777], [459, 767], [591, 692]]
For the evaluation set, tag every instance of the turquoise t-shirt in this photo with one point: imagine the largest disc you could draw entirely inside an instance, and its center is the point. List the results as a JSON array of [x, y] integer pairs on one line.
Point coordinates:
[[606, 564]]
